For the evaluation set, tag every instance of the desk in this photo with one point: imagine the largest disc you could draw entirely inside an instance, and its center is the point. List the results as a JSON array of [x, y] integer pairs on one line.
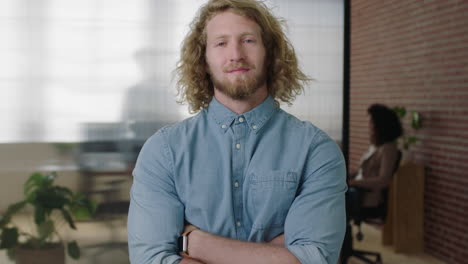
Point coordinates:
[[89, 177]]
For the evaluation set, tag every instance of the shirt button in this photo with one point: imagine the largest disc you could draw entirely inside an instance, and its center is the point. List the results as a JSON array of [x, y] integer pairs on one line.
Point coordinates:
[[237, 146], [223, 126], [241, 119], [238, 223], [236, 184], [254, 127]]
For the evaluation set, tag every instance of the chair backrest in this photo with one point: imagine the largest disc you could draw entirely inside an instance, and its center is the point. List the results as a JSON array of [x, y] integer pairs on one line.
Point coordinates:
[[376, 214], [397, 163], [383, 206]]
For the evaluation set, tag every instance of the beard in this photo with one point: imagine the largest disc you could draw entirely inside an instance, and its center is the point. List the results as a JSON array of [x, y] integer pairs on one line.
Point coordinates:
[[243, 86]]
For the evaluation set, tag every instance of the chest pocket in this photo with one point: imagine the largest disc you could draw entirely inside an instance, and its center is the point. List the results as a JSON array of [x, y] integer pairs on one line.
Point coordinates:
[[271, 195]]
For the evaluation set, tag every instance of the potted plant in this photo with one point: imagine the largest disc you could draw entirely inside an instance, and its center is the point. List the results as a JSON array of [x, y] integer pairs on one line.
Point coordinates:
[[408, 139], [51, 205], [406, 201]]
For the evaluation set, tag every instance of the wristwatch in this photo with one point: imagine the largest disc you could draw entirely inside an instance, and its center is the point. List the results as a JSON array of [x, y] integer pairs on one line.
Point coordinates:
[[182, 242]]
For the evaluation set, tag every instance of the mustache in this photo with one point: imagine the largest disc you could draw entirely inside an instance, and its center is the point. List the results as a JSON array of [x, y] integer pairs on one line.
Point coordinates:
[[231, 67]]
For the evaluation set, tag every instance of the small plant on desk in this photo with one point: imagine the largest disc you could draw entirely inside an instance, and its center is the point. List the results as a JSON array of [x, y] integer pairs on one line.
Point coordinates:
[[51, 205]]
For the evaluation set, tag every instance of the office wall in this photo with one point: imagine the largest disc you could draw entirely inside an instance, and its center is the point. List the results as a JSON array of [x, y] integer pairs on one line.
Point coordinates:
[[19, 160], [415, 54], [79, 70]]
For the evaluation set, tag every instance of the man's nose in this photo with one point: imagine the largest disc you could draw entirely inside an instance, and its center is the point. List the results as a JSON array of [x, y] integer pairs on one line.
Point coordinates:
[[236, 52]]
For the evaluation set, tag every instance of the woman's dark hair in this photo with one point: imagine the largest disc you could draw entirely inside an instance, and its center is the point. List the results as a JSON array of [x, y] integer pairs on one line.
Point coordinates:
[[387, 125]]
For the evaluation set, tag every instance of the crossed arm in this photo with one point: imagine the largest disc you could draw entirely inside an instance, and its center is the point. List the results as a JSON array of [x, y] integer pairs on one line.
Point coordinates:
[[207, 248], [314, 226], [313, 231]]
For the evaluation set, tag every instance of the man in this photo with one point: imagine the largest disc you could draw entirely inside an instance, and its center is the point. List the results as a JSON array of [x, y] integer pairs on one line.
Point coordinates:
[[243, 180]]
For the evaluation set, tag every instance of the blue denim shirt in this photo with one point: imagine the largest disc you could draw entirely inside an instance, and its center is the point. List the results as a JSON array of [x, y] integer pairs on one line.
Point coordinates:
[[248, 177]]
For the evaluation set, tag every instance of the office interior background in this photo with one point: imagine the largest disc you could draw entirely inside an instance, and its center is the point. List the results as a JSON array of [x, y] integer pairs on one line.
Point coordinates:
[[84, 83]]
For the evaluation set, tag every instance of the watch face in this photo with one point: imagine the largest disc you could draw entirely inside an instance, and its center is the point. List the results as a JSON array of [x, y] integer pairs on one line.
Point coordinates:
[[180, 244]]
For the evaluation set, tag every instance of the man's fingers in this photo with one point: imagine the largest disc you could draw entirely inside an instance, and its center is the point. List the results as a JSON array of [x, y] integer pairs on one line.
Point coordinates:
[[278, 241], [189, 228], [190, 261]]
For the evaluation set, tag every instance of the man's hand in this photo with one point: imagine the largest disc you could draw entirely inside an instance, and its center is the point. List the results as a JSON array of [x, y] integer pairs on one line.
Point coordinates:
[[210, 248], [278, 241], [207, 248], [188, 260], [189, 228], [185, 258]]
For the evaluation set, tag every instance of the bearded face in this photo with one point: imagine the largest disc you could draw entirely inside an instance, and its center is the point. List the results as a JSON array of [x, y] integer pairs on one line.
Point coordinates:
[[240, 85], [235, 55]]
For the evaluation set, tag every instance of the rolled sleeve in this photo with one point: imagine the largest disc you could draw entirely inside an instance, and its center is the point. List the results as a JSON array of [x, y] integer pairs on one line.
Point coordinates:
[[156, 215], [307, 253], [316, 222]]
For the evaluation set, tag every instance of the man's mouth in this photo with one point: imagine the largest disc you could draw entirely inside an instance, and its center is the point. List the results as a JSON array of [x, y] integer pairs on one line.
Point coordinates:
[[239, 69]]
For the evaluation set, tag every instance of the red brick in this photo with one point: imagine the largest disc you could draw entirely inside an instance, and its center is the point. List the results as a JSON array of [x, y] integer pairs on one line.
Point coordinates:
[[413, 53]]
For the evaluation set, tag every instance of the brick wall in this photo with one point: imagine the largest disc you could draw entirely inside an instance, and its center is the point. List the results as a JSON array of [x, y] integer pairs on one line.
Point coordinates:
[[414, 53]]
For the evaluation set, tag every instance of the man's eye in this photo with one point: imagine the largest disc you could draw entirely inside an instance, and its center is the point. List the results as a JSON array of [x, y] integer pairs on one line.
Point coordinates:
[[249, 41], [221, 44]]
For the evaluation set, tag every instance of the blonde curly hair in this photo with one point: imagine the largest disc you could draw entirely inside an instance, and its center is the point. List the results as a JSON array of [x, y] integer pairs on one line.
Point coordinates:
[[284, 78]]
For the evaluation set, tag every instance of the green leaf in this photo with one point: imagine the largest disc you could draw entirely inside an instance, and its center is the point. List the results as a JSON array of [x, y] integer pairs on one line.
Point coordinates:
[[6, 217], [82, 208], [4, 220], [31, 196], [45, 230], [73, 250], [92, 206], [416, 120], [51, 198], [64, 192], [36, 180], [9, 238], [412, 140], [79, 199], [68, 218], [12, 209], [39, 214], [400, 111], [80, 212]]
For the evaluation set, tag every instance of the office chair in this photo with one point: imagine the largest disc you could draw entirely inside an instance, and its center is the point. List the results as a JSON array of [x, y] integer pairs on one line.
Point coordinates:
[[373, 215]]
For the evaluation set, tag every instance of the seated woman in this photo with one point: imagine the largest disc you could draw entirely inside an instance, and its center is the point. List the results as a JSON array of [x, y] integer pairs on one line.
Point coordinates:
[[378, 164], [375, 173]]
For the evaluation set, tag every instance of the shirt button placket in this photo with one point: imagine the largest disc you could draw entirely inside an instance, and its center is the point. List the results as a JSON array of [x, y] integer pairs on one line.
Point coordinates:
[[240, 133]]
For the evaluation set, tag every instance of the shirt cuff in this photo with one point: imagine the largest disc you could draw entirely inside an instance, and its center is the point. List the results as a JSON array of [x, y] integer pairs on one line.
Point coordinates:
[[168, 259], [307, 254]]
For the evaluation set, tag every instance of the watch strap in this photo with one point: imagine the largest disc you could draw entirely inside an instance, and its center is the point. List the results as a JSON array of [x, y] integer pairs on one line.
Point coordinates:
[[183, 242], [186, 233]]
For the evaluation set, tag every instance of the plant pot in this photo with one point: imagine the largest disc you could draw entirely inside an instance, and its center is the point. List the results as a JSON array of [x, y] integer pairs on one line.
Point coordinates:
[[52, 255]]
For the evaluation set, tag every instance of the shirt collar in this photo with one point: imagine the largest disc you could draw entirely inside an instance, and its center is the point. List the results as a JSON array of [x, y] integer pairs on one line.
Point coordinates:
[[255, 118]]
